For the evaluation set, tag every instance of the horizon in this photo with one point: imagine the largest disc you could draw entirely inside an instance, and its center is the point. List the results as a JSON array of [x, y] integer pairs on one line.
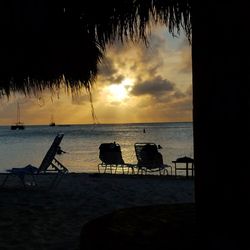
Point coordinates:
[[98, 124]]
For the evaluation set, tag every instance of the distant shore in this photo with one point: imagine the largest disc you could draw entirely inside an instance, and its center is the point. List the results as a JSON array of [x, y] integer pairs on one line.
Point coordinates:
[[42, 219]]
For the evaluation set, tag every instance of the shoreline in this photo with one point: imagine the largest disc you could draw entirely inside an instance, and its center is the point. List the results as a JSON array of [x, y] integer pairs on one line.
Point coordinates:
[[42, 219]]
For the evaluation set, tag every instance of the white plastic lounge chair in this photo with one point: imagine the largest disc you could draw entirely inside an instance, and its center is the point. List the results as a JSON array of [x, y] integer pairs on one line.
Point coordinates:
[[149, 159], [49, 164], [111, 159]]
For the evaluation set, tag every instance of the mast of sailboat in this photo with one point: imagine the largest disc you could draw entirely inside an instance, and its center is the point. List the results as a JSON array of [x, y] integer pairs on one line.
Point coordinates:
[[18, 113], [18, 124], [52, 123]]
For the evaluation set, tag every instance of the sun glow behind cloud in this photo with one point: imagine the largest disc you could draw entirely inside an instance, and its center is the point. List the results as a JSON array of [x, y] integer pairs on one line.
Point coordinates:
[[119, 92]]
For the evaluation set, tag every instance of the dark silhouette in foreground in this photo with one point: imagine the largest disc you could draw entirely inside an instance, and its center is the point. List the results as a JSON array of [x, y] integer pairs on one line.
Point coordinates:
[[150, 227]]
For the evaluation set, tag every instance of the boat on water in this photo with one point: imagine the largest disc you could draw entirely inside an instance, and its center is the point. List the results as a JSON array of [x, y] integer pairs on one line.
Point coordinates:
[[52, 123], [18, 125]]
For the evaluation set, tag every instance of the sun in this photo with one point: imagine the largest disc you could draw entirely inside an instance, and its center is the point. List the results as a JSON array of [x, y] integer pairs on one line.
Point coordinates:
[[119, 92]]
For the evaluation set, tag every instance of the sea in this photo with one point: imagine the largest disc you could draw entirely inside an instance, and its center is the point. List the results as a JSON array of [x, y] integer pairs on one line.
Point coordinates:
[[19, 148]]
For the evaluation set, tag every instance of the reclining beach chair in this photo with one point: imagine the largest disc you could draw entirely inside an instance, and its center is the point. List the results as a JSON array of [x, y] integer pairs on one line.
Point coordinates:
[[149, 159], [48, 165], [111, 159]]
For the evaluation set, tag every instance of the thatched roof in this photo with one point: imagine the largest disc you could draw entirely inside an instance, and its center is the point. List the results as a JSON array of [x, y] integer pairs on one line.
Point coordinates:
[[45, 43]]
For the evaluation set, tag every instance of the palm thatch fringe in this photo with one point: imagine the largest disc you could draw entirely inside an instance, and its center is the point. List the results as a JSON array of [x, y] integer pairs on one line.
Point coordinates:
[[50, 41]]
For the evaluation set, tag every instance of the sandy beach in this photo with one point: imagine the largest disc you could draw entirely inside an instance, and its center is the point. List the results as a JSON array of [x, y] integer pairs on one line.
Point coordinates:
[[41, 219]]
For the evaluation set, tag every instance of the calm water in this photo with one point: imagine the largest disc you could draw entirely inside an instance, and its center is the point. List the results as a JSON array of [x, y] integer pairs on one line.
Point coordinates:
[[81, 142]]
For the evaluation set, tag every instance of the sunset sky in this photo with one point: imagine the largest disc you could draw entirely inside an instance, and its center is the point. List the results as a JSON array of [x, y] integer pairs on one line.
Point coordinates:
[[134, 84]]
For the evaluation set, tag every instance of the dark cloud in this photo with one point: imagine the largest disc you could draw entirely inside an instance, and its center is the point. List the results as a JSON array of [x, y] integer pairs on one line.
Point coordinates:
[[178, 94], [116, 79], [154, 87], [153, 69], [106, 67], [151, 57], [109, 72]]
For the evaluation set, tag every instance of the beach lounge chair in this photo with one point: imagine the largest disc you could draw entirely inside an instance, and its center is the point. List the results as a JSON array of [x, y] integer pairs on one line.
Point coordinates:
[[111, 159], [48, 165], [149, 159]]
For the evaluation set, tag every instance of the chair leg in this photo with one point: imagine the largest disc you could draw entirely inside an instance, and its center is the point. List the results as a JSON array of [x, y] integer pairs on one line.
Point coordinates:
[[5, 180], [166, 171], [22, 179], [56, 180], [34, 180], [140, 170], [132, 169], [116, 166]]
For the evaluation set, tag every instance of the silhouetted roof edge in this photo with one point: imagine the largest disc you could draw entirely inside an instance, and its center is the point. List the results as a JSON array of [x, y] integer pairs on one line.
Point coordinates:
[[66, 44]]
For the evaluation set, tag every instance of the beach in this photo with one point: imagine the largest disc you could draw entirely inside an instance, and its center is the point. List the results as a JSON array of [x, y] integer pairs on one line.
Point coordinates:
[[52, 219]]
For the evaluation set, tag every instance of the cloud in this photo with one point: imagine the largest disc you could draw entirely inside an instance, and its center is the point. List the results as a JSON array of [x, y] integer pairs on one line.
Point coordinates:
[[80, 99], [108, 72], [154, 87], [186, 62], [161, 75], [107, 68], [160, 88]]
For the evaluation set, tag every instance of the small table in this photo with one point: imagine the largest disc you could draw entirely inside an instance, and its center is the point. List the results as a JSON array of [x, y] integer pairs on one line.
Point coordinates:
[[186, 160]]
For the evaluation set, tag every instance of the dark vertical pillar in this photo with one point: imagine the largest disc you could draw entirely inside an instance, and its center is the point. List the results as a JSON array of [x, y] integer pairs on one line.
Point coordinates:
[[221, 82]]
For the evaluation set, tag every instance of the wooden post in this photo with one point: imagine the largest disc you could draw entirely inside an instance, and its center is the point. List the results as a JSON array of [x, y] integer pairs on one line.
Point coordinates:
[[220, 55]]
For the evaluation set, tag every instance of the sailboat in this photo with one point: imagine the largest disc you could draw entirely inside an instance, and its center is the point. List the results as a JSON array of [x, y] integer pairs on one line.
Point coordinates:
[[18, 125], [52, 123]]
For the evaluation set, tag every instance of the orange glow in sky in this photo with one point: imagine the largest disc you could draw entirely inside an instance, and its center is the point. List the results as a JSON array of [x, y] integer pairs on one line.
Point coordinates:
[[134, 84]]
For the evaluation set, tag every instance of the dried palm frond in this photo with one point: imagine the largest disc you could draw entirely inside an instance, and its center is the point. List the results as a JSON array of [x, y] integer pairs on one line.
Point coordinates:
[[45, 43]]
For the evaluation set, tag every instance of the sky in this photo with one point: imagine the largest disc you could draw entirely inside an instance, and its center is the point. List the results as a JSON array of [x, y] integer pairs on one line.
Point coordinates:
[[136, 83]]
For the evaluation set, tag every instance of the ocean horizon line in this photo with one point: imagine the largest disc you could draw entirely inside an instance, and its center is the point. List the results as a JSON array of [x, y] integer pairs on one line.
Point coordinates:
[[101, 124]]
